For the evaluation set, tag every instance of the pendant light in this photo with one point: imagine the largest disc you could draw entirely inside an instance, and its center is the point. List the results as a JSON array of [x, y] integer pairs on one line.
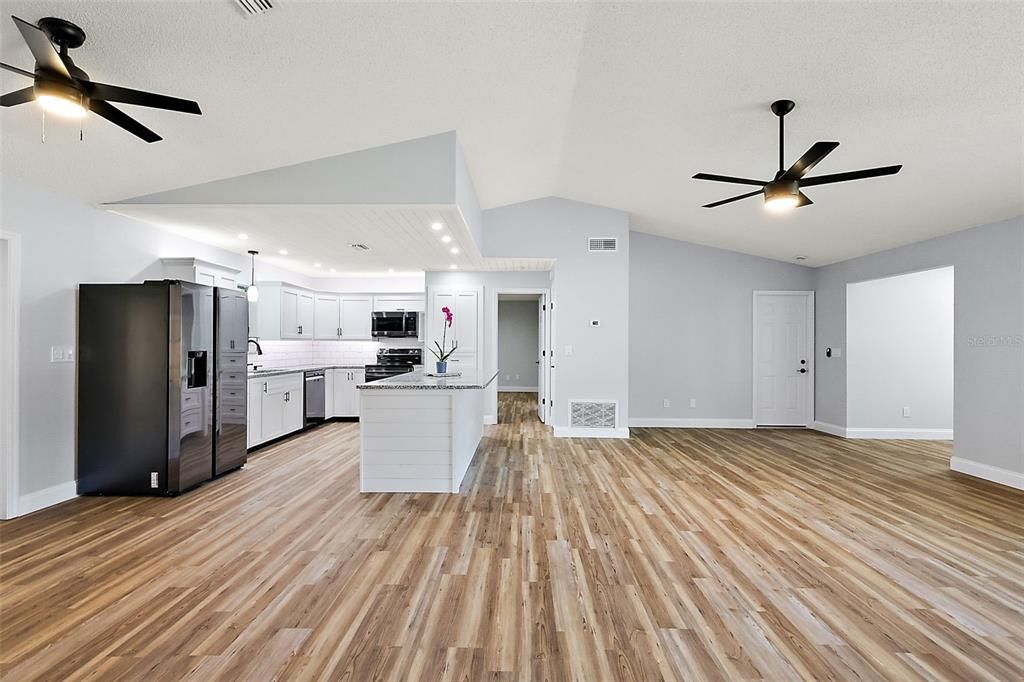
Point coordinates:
[[252, 293]]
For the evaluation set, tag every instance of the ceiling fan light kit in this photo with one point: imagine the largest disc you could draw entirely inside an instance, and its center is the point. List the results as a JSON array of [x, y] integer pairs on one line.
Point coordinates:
[[783, 192], [60, 87]]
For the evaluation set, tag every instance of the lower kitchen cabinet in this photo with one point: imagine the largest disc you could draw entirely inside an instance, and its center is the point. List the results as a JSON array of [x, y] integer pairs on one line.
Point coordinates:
[[345, 401], [275, 407]]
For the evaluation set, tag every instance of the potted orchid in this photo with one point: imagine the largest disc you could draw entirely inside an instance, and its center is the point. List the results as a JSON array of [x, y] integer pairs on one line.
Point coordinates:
[[443, 352]]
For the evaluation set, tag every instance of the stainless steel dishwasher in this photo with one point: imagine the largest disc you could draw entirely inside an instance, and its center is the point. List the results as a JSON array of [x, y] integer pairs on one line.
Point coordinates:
[[314, 397]]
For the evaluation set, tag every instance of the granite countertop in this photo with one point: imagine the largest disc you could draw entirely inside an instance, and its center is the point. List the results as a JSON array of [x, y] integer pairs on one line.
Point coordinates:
[[277, 371], [419, 381]]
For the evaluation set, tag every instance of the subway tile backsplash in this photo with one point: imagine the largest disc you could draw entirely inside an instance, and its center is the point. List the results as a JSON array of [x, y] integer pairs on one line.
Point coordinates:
[[289, 353]]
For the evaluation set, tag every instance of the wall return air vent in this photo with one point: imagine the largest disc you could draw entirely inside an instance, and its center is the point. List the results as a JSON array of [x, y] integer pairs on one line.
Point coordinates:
[[252, 8], [593, 414], [603, 244]]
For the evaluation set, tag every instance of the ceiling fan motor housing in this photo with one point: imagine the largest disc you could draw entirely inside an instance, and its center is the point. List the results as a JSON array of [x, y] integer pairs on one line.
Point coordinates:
[[778, 189], [63, 89]]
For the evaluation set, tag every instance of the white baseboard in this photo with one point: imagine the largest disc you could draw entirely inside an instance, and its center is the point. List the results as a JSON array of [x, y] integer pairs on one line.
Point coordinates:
[[517, 389], [833, 429], [900, 434], [698, 423], [1013, 479], [47, 497], [490, 419], [570, 432]]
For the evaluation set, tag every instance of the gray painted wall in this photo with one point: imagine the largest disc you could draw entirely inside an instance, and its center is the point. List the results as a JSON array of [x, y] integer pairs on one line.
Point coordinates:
[[988, 354], [899, 352], [517, 344], [586, 286], [691, 312]]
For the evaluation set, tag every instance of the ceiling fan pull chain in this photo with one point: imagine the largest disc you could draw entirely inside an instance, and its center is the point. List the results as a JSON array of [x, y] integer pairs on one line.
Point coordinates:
[[81, 130], [42, 128]]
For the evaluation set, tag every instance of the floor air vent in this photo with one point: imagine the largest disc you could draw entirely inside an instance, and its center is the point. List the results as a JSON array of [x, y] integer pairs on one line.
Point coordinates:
[[604, 244], [593, 414]]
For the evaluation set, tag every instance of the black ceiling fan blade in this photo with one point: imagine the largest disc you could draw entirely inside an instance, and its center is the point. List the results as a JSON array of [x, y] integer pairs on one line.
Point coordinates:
[[15, 69], [850, 175], [817, 152], [18, 97], [42, 49], [115, 93], [732, 199], [119, 118], [729, 178], [804, 200]]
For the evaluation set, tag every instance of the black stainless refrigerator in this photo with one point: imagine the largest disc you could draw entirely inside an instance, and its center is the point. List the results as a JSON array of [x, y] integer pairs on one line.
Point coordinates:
[[150, 420]]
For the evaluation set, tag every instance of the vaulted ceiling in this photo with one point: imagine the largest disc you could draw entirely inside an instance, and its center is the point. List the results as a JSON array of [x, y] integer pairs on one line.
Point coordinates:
[[613, 104]]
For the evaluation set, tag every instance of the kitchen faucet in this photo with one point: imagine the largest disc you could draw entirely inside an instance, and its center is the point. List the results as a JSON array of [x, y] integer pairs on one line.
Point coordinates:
[[259, 351]]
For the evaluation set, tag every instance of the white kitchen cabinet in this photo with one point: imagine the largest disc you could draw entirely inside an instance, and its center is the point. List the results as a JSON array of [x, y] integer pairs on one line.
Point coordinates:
[[284, 312], [466, 329], [275, 407], [200, 272], [233, 306], [356, 316], [409, 303], [327, 317], [345, 396]]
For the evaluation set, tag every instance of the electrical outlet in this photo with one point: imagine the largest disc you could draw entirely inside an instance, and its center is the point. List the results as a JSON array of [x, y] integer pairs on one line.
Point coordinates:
[[906, 411], [56, 354], [517, 377], [666, 403], [693, 402]]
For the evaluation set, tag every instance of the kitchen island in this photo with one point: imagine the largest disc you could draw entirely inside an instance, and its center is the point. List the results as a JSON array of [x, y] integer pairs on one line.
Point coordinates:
[[419, 433]]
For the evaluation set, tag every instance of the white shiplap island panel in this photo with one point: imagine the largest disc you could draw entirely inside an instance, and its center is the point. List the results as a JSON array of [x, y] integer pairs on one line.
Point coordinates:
[[419, 433]]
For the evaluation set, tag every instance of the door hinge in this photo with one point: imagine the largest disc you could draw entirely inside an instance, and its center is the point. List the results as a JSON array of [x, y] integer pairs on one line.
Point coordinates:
[[543, 353], [543, 401]]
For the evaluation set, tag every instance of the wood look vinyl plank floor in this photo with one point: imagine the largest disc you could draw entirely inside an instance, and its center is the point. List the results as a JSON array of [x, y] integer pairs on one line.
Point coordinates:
[[684, 554]]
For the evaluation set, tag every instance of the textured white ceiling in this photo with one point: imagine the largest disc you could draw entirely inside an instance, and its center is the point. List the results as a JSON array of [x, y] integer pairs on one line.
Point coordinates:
[[615, 104]]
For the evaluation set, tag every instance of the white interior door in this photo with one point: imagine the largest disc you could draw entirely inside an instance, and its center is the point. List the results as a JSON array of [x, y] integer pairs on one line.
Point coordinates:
[[541, 359], [783, 358]]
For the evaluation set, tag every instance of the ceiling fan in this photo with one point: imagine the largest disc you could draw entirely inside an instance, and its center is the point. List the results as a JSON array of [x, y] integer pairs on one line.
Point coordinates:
[[783, 192], [62, 88]]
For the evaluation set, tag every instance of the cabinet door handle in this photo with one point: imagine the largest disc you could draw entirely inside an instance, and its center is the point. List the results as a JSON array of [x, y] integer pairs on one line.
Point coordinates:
[[232, 345], [300, 328], [264, 386], [288, 396]]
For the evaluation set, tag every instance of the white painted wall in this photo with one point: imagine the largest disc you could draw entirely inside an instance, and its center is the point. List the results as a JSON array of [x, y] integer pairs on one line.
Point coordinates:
[[691, 333], [517, 344], [899, 345], [586, 286], [988, 336], [489, 282]]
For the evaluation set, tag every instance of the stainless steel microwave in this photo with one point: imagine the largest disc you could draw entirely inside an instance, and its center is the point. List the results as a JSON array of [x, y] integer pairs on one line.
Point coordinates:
[[395, 324]]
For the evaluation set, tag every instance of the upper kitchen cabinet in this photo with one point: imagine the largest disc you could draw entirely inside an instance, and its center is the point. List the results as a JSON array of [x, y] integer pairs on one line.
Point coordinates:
[[285, 311], [200, 272], [356, 316], [342, 316], [399, 303]]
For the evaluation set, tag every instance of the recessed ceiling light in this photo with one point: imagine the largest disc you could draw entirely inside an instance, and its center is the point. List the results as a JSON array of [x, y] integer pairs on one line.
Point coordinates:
[[453, 266], [801, 257], [243, 237], [360, 247], [454, 249], [317, 265], [446, 239], [436, 227], [283, 252]]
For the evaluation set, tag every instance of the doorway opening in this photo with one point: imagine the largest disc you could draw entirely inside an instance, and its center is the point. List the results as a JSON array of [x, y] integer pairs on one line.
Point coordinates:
[[520, 324], [899, 363], [10, 297]]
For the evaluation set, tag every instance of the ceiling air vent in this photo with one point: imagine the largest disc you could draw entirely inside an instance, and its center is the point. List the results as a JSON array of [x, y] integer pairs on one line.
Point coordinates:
[[360, 247], [593, 414], [252, 8], [604, 244]]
